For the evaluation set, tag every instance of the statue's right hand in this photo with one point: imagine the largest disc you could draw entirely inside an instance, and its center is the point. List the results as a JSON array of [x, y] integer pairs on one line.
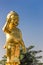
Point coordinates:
[[24, 50], [4, 46]]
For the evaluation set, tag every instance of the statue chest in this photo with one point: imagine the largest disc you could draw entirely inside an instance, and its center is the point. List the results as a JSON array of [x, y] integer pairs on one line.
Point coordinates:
[[15, 34]]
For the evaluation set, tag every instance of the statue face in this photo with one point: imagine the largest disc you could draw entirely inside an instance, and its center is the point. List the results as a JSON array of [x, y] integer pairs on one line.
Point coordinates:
[[13, 21]]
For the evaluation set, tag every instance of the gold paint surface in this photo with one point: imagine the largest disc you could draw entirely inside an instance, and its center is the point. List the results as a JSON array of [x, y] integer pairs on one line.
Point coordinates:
[[13, 39]]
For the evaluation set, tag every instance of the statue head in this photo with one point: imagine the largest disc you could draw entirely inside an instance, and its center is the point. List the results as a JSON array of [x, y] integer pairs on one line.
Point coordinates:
[[12, 18]]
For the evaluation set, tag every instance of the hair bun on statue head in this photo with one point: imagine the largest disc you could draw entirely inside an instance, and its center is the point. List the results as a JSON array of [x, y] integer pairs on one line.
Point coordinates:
[[12, 13]]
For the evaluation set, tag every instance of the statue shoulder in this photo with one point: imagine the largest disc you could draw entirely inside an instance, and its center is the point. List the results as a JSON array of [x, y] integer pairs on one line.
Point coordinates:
[[19, 33], [19, 30]]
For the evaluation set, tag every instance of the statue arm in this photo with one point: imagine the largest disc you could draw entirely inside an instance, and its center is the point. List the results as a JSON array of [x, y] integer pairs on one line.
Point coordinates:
[[23, 46], [5, 28], [22, 43]]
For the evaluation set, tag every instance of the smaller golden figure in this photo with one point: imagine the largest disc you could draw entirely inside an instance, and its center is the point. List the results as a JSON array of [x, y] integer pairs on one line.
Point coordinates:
[[13, 39]]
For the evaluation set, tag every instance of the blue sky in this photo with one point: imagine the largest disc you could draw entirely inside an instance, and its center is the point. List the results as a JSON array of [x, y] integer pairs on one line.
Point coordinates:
[[31, 21]]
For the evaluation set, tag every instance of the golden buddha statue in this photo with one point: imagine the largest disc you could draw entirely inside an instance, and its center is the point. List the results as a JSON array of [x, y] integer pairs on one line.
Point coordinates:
[[13, 39]]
